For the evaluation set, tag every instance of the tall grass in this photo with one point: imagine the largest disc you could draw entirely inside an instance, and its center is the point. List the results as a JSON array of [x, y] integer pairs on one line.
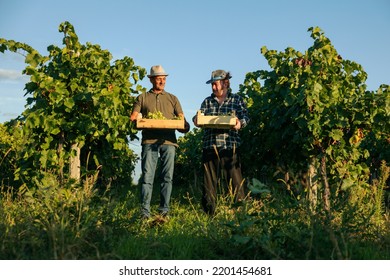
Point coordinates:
[[51, 222], [80, 222]]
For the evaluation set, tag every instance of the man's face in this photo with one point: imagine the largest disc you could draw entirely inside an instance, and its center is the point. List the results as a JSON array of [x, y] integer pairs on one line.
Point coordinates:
[[158, 82], [219, 87]]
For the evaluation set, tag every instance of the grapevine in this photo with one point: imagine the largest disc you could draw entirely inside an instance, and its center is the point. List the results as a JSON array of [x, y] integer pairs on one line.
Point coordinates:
[[313, 112], [77, 98]]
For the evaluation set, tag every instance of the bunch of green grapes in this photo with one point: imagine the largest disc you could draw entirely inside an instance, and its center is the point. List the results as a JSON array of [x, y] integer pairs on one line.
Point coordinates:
[[156, 116]]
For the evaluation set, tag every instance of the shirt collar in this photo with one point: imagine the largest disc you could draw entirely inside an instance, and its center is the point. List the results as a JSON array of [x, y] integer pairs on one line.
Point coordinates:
[[152, 91]]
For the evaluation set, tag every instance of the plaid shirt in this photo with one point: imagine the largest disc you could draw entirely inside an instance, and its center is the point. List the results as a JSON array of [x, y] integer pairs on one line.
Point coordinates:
[[223, 138]]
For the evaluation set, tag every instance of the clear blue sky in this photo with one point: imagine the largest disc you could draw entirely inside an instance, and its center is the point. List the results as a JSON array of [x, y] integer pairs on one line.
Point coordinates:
[[190, 38]]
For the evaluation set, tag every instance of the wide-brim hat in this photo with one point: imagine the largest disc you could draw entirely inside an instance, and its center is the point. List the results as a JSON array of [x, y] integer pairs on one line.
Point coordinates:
[[218, 75], [157, 70]]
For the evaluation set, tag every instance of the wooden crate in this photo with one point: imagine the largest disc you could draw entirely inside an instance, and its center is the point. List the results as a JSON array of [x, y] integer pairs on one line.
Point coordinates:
[[221, 122], [160, 124]]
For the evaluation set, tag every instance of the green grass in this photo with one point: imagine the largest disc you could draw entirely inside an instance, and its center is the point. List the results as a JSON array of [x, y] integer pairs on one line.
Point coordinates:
[[82, 223]]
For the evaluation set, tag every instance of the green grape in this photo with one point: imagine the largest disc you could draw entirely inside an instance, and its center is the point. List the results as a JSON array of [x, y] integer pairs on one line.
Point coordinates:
[[156, 116]]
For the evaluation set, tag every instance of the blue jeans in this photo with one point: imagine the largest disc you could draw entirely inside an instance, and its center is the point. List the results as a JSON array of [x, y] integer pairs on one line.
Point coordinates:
[[149, 156]]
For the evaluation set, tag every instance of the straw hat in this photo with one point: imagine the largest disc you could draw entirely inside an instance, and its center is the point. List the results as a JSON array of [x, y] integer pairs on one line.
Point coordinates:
[[157, 70]]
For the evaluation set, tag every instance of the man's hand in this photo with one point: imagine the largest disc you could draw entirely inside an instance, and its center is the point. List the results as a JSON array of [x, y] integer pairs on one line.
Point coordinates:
[[134, 116], [238, 125], [186, 127], [195, 120]]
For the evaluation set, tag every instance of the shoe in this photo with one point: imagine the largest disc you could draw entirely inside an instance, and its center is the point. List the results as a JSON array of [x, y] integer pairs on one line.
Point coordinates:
[[145, 217], [164, 214]]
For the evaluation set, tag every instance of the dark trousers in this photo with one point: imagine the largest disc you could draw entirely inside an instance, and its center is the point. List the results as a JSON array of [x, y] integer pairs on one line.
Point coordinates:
[[222, 166]]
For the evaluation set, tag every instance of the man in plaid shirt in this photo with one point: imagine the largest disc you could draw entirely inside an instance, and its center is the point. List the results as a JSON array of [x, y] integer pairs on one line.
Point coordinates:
[[221, 153]]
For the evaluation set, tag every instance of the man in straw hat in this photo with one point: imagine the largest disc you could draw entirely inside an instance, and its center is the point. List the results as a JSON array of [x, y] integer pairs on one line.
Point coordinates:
[[157, 142], [221, 147]]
